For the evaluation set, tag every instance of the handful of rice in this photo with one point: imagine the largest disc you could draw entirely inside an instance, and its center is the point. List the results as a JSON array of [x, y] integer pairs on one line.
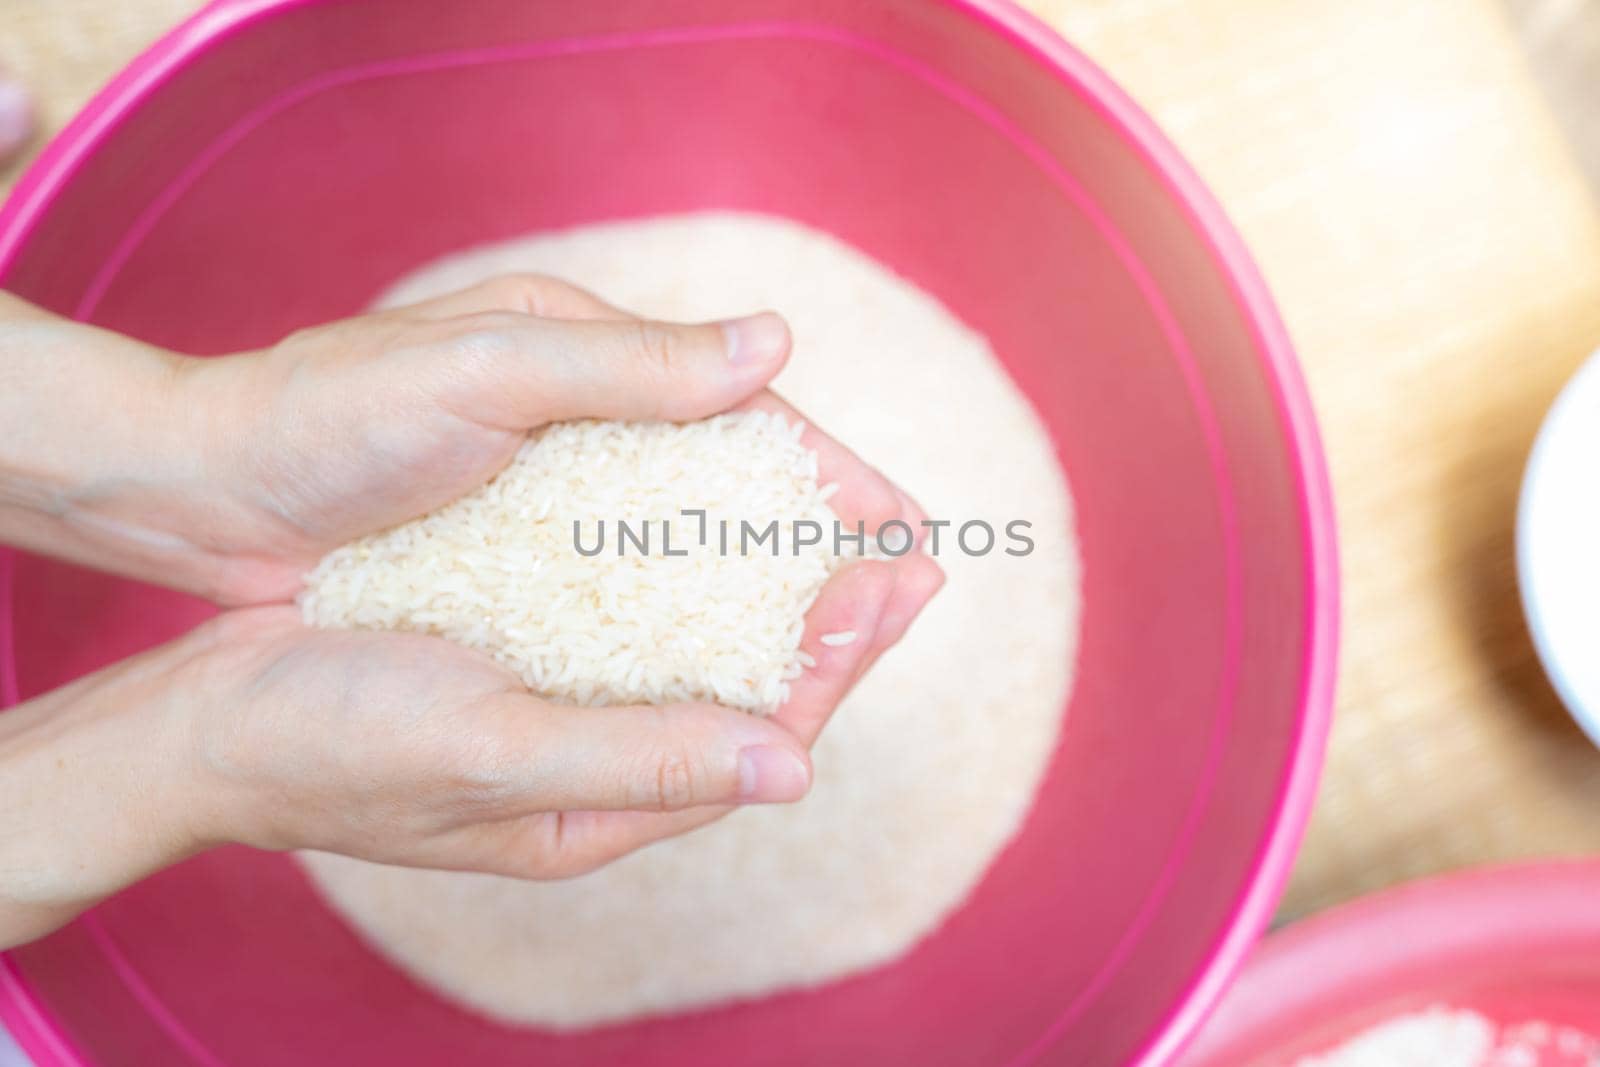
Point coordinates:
[[506, 569]]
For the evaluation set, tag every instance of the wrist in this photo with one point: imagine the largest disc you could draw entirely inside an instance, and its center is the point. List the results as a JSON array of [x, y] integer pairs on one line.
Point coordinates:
[[109, 452], [96, 792]]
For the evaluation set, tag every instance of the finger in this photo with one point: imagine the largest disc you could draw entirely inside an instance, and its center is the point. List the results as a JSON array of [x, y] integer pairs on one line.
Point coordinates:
[[917, 579], [567, 844], [839, 634], [551, 845], [16, 119], [527, 294], [532, 370], [864, 495], [552, 757], [592, 839], [563, 845]]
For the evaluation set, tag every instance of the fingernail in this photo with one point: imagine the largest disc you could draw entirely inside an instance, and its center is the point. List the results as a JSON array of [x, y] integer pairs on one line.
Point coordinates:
[[769, 775], [16, 117], [755, 338]]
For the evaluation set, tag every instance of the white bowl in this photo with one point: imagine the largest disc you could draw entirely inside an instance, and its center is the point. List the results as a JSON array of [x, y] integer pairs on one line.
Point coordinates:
[[1558, 546]]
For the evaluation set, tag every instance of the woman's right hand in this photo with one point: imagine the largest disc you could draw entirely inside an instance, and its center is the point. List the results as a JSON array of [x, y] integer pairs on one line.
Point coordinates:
[[408, 749], [397, 748]]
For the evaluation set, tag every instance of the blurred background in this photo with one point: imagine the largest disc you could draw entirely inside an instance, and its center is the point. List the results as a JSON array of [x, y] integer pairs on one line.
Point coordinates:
[[1420, 181]]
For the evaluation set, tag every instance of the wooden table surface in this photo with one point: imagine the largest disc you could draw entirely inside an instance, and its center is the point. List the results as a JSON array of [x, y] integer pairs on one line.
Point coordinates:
[[1435, 249]]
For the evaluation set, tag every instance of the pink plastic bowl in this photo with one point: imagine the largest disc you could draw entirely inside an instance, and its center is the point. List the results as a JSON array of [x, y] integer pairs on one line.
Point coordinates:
[[272, 164], [1515, 944]]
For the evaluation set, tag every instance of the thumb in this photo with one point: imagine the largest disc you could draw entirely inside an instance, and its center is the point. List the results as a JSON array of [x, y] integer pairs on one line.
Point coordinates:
[[538, 370], [561, 758]]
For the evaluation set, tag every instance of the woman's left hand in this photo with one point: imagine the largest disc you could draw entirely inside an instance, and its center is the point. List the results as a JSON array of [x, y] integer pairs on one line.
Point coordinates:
[[230, 477]]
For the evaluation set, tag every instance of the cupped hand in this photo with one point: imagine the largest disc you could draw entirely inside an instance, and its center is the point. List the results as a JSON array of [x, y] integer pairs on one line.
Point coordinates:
[[407, 749], [393, 747], [231, 477], [399, 748], [345, 429]]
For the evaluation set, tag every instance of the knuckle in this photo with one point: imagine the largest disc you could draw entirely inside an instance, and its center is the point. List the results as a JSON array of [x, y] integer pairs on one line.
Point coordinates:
[[494, 324], [656, 347], [475, 773], [483, 339], [676, 781], [523, 292], [559, 850], [534, 854]]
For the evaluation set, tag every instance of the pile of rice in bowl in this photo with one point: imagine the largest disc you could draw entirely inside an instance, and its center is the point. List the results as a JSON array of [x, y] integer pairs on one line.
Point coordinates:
[[928, 766]]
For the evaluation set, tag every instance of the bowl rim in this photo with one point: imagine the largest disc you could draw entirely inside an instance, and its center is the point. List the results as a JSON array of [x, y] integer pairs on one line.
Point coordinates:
[[1477, 912], [1268, 871]]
